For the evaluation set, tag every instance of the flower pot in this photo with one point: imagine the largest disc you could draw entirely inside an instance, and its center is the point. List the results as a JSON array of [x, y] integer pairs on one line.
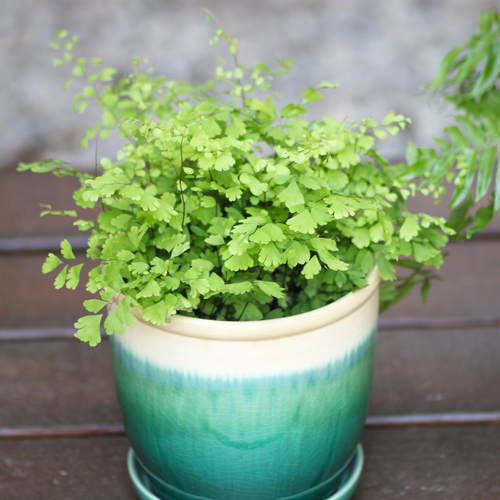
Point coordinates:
[[260, 410]]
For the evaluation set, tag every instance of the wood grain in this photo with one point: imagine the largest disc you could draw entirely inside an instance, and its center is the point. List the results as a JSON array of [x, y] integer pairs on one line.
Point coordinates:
[[21, 194], [56, 383], [456, 463], [445, 463], [470, 288], [65, 382]]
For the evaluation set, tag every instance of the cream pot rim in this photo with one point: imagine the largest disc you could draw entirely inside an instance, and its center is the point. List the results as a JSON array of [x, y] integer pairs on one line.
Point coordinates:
[[269, 329]]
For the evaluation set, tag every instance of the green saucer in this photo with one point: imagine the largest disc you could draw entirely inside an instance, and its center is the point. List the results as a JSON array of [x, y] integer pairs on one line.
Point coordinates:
[[143, 488]]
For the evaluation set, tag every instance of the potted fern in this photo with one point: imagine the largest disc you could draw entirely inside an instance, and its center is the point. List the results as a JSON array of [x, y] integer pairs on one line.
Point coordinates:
[[236, 259]]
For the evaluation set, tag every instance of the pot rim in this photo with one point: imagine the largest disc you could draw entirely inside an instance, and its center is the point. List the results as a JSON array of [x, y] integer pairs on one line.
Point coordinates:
[[269, 329]]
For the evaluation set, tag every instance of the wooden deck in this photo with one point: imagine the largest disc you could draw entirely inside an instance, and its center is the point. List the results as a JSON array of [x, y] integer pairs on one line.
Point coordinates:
[[433, 430]]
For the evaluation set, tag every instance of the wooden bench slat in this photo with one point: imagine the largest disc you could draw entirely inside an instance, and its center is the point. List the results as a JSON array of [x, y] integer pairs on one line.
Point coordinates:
[[436, 371], [21, 194], [470, 288], [458, 463], [56, 383], [48, 383]]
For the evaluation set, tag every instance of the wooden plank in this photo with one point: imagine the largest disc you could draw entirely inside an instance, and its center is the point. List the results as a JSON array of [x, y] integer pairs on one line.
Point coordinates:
[[469, 286], [372, 422], [56, 383], [62, 469], [445, 463], [48, 383], [43, 244], [456, 463], [29, 299], [21, 194], [437, 371]]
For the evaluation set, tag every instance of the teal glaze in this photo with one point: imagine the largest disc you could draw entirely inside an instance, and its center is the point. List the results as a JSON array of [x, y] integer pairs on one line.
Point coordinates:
[[349, 480], [262, 438]]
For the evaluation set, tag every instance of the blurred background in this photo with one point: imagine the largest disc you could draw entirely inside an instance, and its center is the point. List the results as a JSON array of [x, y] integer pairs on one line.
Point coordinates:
[[381, 53]]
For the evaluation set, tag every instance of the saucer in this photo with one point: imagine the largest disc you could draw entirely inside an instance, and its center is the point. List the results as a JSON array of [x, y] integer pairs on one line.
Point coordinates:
[[142, 484]]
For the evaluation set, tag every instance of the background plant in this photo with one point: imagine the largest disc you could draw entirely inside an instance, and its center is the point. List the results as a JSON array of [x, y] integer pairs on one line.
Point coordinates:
[[221, 206]]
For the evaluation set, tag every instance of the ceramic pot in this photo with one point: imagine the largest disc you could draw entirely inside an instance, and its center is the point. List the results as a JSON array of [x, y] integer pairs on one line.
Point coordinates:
[[258, 410]]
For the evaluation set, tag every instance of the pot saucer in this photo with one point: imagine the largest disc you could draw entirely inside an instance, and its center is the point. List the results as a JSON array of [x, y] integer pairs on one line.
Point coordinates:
[[344, 491]]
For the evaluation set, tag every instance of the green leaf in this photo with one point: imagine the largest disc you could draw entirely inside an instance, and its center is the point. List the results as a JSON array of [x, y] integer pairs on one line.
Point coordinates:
[[482, 218], [348, 156], [233, 193], [496, 203], [274, 232], [410, 228], [107, 74], [270, 256], [108, 118], [94, 305], [148, 202], [66, 250], [311, 95], [125, 255], [484, 176], [160, 266], [340, 206], [302, 223], [361, 237], [179, 249], [270, 288], [83, 225], [61, 279], [250, 313], [445, 66], [124, 314], [240, 288], [135, 234], [157, 313], [74, 277], [139, 267], [298, 254], [215, 239], [113, 325], [239, 262], [89, 329], [423, 252], [417, 169], [457, 137], [385, 269], [51, 262], [490, 72], [312, 268], [260, 236], [224, 162], [150, 290], [475, 133], [463, 189], [332, 262], [292, 110], [236, 128], [424, 291], [291, 196]]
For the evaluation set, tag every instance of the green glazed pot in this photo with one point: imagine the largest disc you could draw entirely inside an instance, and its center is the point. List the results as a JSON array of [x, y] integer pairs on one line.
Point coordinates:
[[260, 410]]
